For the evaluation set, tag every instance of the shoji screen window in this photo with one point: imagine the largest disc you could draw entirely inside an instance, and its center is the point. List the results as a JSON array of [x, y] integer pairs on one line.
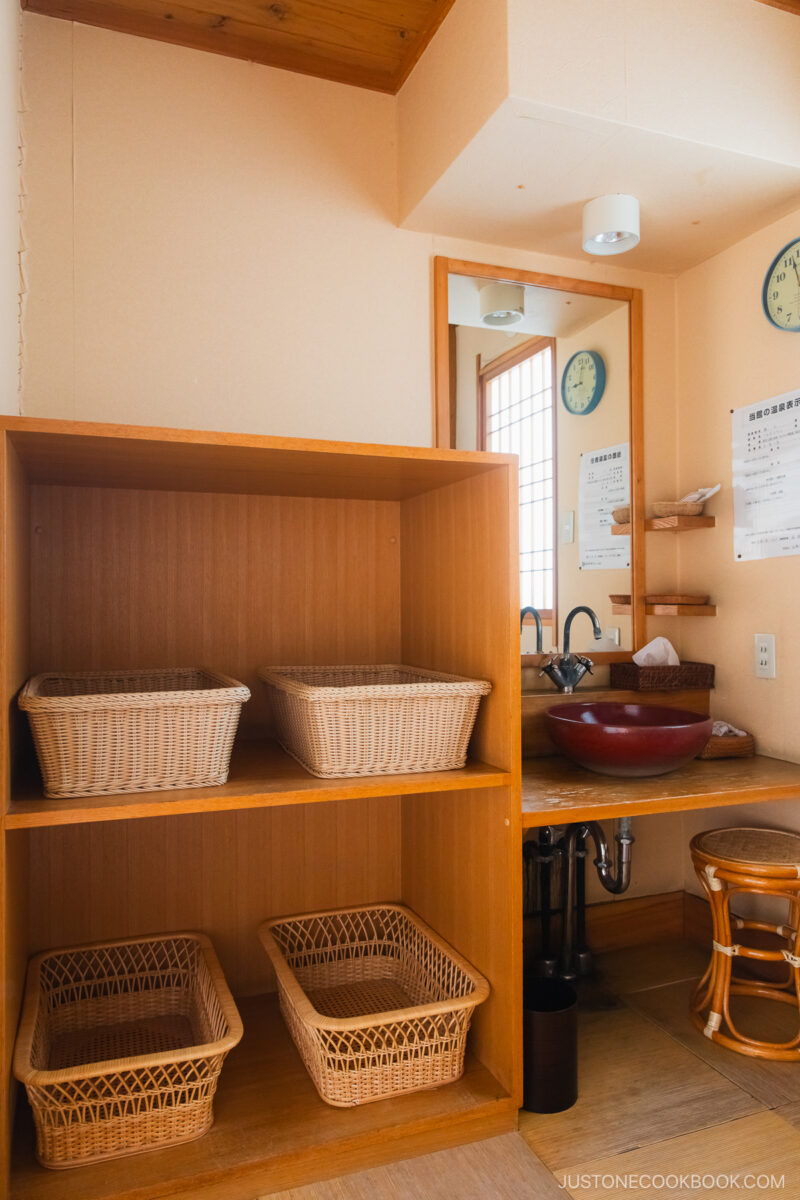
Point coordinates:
[[516, 415]]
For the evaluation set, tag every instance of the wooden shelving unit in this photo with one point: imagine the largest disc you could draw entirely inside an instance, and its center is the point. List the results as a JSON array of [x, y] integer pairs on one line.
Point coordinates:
[[668, 524], [146, 547], [250, 1115], [261, 776]]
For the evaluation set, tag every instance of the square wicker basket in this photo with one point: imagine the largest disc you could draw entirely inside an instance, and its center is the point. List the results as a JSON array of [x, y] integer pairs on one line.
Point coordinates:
[[373, 720], [377, 1004], [99, 733], [121, 1045]]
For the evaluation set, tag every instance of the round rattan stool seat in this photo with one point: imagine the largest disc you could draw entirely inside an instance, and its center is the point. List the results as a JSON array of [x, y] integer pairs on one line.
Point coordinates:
[[756, 849], [749, 863]]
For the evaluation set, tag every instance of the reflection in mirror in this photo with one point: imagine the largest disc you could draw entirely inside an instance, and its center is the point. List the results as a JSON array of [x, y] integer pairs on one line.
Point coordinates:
[[545, 373]]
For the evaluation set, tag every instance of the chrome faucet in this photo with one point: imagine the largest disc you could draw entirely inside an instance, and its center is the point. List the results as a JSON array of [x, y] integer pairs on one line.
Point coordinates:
[[523, 614], [567, 670]]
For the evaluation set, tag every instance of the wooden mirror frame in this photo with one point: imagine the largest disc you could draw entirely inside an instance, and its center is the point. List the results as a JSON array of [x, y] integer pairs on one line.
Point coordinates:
[[442, 368]]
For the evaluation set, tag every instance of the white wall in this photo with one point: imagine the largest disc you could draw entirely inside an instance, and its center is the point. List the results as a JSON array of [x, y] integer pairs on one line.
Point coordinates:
[[9, 207]]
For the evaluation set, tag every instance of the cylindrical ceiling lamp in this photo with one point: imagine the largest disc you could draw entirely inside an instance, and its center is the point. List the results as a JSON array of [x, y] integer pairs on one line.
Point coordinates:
[[611, 224], [502, 304]]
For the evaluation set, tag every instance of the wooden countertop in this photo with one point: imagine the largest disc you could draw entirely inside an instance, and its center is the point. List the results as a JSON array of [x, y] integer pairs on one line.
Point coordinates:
[[556, 791]]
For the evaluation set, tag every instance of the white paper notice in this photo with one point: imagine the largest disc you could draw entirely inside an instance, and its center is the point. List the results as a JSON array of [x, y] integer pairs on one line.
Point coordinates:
[[766, 478], [604, 484]]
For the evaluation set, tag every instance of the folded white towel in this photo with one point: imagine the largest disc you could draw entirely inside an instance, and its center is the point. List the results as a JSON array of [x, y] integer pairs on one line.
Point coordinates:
[[723, 729]]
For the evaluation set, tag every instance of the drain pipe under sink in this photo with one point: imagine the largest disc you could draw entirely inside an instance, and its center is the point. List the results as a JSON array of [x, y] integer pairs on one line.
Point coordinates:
[[574, 843]]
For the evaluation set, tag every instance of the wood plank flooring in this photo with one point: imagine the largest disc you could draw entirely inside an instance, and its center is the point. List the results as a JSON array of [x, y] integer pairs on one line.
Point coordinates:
[[656, 1099], [502, 1167]]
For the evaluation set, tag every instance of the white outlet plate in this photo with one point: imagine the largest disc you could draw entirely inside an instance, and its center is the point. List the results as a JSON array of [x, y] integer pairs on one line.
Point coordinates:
[[566, 527], [764, 651]]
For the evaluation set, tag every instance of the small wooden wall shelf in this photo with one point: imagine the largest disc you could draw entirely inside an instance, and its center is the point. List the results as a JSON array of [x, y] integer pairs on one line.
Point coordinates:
[[156, 547], [668, 524], [669, 610]]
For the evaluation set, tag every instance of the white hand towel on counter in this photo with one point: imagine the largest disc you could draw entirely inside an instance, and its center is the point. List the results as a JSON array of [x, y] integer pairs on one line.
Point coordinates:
[[724, 729], [658, 653]]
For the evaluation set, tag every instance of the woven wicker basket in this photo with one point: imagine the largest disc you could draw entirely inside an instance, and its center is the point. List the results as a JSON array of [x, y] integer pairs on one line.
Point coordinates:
[[729, 746], [373, 720], [121, 1045], [689, 675], [678, 508], [100, 733], [377, 1004]]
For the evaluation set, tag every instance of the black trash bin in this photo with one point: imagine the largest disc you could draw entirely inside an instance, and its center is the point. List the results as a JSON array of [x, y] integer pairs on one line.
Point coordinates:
[[550, 1029]]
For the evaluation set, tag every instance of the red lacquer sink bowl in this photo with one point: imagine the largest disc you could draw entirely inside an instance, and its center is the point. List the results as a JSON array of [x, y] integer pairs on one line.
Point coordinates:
[[627, 739]]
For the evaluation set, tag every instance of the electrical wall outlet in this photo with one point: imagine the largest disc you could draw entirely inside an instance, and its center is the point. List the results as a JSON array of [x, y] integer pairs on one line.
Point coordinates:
[[612, 634], [765, 655]]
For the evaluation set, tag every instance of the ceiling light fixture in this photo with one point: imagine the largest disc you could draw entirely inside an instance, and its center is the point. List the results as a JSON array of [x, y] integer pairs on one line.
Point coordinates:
[[502, 304], [611, 224]]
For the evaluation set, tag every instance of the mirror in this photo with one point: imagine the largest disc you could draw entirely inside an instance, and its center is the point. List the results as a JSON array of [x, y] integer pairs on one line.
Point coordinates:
[[549, 368]]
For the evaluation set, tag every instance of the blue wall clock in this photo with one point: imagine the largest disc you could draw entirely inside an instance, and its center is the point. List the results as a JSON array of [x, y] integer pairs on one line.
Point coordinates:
[[583, 382], [781, 292]]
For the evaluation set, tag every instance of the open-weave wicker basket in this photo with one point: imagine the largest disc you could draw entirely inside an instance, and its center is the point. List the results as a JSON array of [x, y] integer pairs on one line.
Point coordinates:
[[121, 1045], [373, 720], [376, 1002], [98, 733]]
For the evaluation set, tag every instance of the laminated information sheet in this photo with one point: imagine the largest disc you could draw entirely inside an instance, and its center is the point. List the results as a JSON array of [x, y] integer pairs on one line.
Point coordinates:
[[603, 485], [766, 478]]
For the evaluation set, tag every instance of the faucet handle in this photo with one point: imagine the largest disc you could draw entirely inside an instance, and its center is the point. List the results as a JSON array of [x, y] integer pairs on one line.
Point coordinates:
[[585, 662]]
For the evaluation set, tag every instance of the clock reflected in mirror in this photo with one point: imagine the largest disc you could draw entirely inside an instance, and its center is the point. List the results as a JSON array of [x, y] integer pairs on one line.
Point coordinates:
[[583, 382], [781, 292]]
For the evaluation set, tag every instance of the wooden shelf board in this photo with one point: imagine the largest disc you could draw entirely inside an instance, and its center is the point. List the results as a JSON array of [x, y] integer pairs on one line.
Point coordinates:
[[554, 790], [668, 524], [271, 1130], [668, 610], [130, 456], [261, 776]]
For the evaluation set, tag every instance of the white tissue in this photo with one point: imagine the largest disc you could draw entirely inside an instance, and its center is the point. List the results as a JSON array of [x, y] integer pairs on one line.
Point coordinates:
[[658, 653], [701, 494]]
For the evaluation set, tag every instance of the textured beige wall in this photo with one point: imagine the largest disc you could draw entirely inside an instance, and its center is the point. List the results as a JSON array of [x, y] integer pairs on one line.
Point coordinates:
[[709, 72], [9, 206], [731, 356], [212, 244], [463, 74]]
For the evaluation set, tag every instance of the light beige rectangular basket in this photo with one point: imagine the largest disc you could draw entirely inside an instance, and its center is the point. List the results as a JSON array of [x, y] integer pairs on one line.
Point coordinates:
[[121, 1045], [99, 733], [373, 720], [377, 1004]]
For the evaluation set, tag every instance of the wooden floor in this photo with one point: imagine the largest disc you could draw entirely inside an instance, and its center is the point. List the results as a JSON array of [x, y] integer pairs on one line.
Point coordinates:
[[656, 1099]]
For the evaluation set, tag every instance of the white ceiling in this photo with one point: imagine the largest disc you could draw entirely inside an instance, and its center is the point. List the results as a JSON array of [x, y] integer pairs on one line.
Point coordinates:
[[524, 177], [548, 313]]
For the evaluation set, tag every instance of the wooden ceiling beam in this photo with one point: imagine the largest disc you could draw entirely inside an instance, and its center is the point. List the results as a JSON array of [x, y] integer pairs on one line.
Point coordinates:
[[366, 43]]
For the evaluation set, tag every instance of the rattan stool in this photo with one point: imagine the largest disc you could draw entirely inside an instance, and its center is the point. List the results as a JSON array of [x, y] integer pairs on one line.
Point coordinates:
[[760, 862]]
